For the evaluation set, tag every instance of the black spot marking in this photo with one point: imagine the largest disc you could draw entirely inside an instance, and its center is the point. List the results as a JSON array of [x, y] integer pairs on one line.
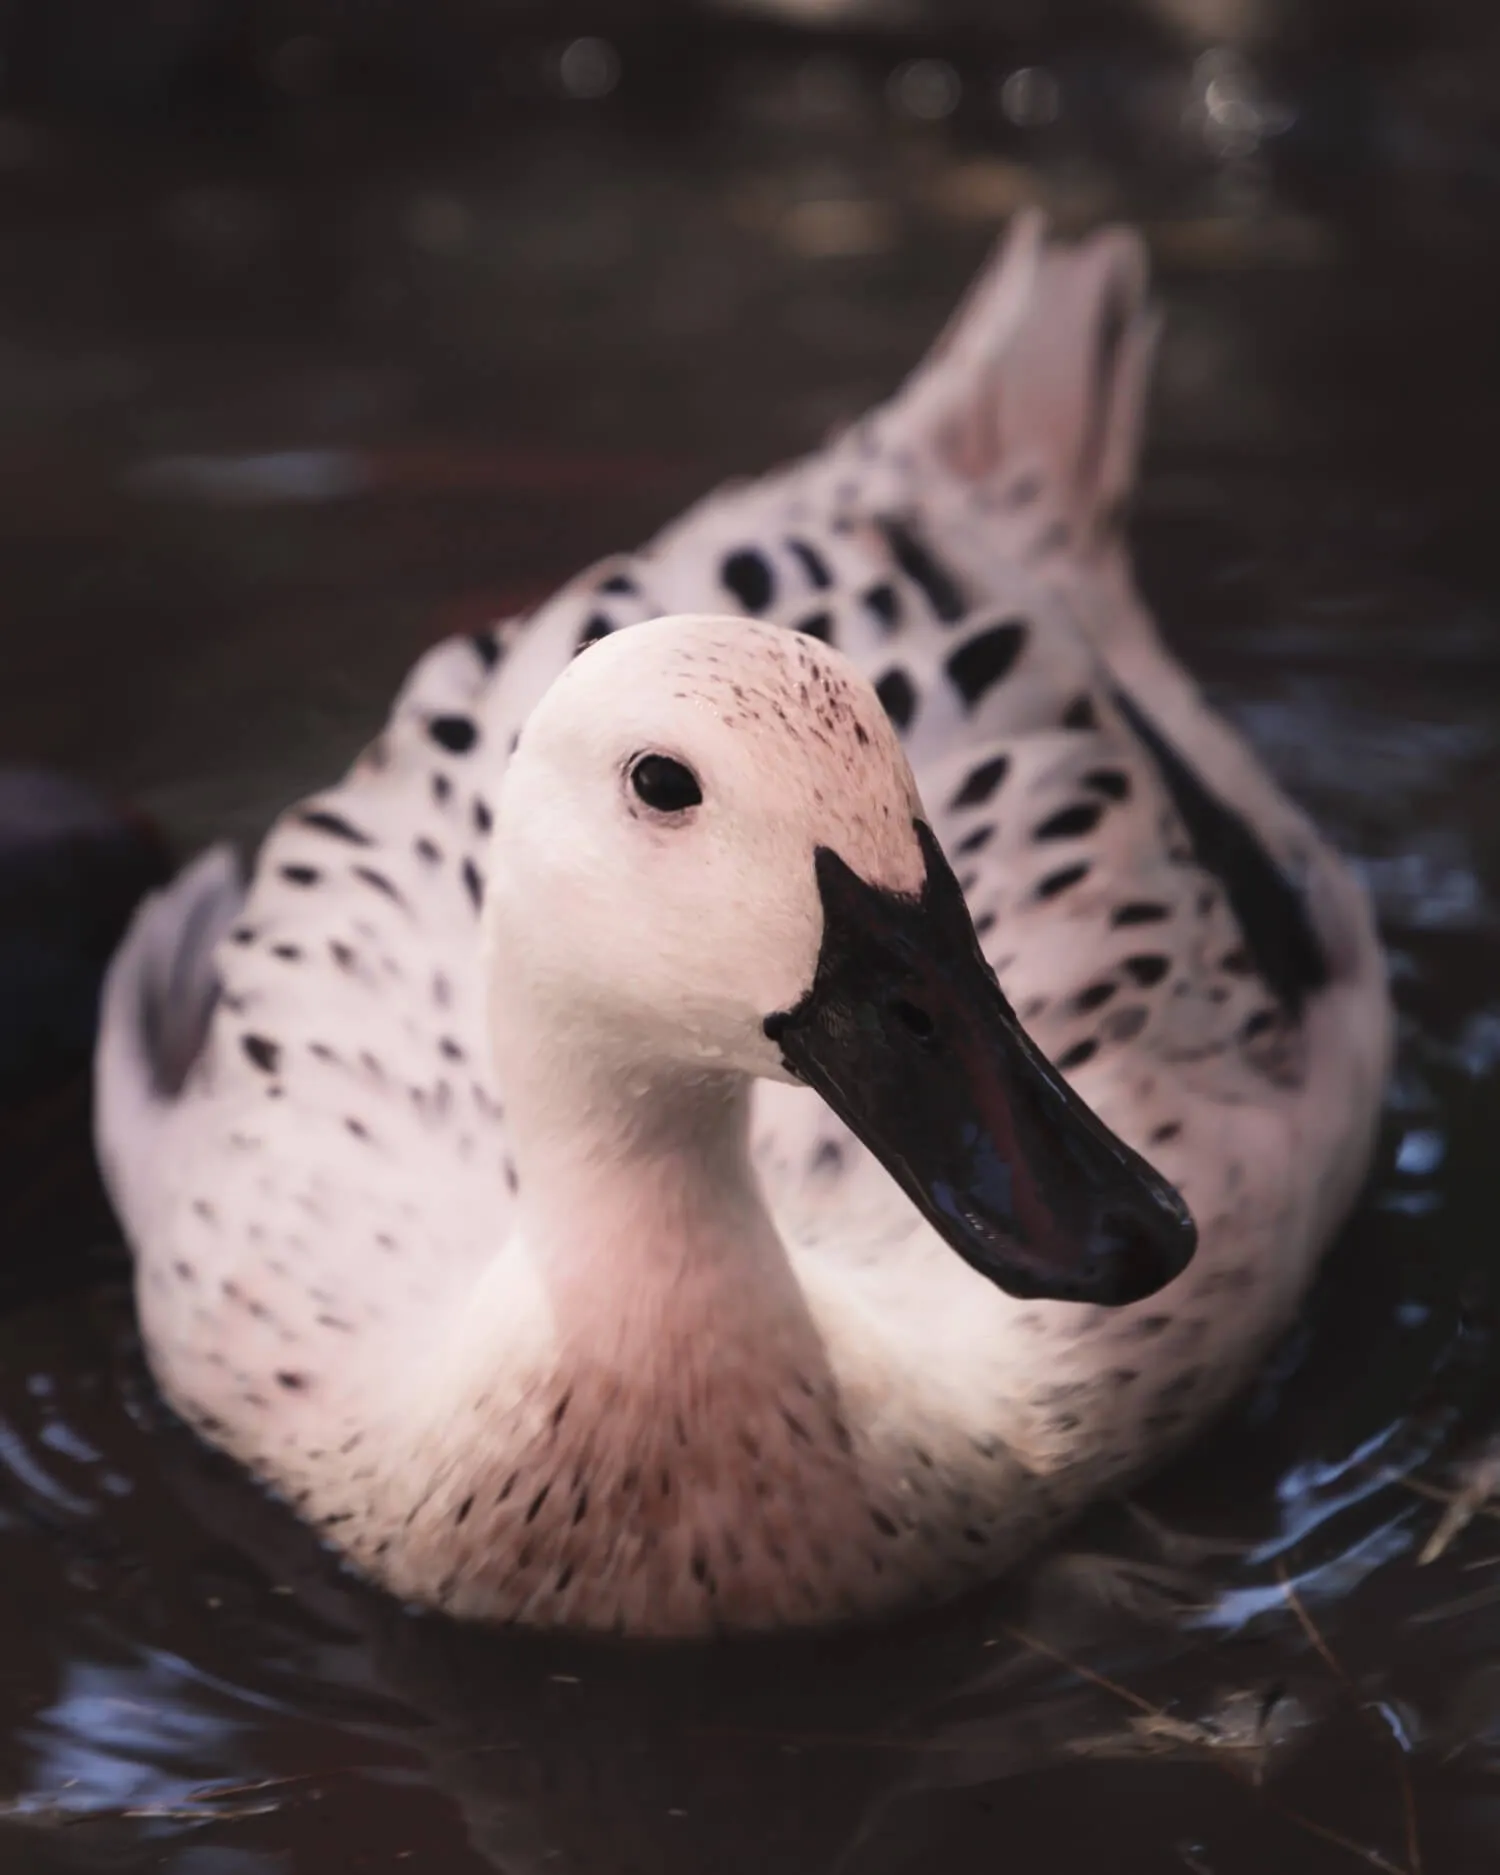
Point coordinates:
[[882, 1523], [473, 883], [1059, 881], [1272, 913], [1150, 1326], [288, 953], [265, 1054], [1124, 1025], [356, 1127], [1237, 963], [1180, 1386], [484, 820], [1080, 715], [598, 627], [1167, 1131], [897, 697], [1148, 968], [975, 841], [620, 584], [335, 825], [1023, 490], [486, 647], [987, 658], [1094, 997], [747, 574], [1139, 911], [456, 734], [813, 564], [378, 882], [1079, 1053], [1070, 823], [981, 782], [1112, 783], [883, 603], [817, 625], [462, 1513], [442, 790], [242, 934], [917, 561], [1257, 1024], [984, 924], [301, 875], [294, 1383], [344, 955], [428, 850]]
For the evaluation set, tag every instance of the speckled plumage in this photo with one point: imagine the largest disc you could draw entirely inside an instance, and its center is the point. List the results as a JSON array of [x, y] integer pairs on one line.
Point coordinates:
[[307, 1136]]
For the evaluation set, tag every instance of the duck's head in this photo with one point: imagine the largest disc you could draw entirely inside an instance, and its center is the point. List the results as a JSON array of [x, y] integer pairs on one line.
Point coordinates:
[[710, 855]]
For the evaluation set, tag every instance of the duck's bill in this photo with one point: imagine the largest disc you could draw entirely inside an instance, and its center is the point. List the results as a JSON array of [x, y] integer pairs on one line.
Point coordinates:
[[907, 1036]]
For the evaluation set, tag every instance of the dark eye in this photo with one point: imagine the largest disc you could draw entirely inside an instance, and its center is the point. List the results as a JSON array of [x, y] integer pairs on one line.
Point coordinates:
[[666, 785]]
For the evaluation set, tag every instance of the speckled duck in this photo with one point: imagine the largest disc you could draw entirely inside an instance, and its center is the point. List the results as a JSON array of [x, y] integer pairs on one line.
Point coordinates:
[[779, 1077]]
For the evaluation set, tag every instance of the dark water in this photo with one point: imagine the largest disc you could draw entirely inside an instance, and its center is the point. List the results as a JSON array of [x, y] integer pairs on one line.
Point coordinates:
[[278, 408]]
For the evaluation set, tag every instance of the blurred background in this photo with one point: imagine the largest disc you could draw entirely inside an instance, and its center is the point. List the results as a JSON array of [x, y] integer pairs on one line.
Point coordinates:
[[325, 324], [331, 326]]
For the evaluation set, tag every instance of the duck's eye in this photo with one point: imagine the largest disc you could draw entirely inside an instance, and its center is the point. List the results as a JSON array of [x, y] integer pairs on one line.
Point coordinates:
[[666, 785]]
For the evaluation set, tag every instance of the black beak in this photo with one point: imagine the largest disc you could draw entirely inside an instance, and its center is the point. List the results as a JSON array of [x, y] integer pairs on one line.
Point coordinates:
[[907, 1036]]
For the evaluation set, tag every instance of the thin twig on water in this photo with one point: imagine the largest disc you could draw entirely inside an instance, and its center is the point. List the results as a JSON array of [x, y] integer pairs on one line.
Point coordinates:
[[1372, 1858], [1361, 1705]]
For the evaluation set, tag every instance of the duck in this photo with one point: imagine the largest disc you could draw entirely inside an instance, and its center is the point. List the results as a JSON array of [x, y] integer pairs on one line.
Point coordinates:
[[779, 1077]]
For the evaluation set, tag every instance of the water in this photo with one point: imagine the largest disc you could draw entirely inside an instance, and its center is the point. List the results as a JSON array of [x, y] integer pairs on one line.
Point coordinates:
[[275, 412]]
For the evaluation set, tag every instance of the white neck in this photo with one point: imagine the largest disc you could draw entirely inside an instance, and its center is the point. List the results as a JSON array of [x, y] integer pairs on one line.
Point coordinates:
[[639, 1202]]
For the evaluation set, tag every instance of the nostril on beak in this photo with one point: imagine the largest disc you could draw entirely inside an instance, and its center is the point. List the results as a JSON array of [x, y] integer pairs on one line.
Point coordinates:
[[1132, 1257], [912, 1017]]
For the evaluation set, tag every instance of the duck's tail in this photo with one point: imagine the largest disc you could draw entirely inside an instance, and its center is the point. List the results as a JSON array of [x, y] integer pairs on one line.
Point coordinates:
[[1034, 394], [159, 996]]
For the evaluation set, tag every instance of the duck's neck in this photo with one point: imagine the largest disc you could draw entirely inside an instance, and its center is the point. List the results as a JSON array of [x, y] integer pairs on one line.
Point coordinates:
[[641, 1209], [686, 1439]]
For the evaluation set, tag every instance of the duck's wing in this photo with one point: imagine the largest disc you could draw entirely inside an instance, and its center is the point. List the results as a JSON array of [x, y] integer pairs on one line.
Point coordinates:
[[158, 1002], [317, 1039]]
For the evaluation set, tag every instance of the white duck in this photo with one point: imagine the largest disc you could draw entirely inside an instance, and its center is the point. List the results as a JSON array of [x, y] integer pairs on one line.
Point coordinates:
[[477, 1205]]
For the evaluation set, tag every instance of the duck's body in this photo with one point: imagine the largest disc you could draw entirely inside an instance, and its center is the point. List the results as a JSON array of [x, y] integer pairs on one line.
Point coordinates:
[[761, 1389]]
